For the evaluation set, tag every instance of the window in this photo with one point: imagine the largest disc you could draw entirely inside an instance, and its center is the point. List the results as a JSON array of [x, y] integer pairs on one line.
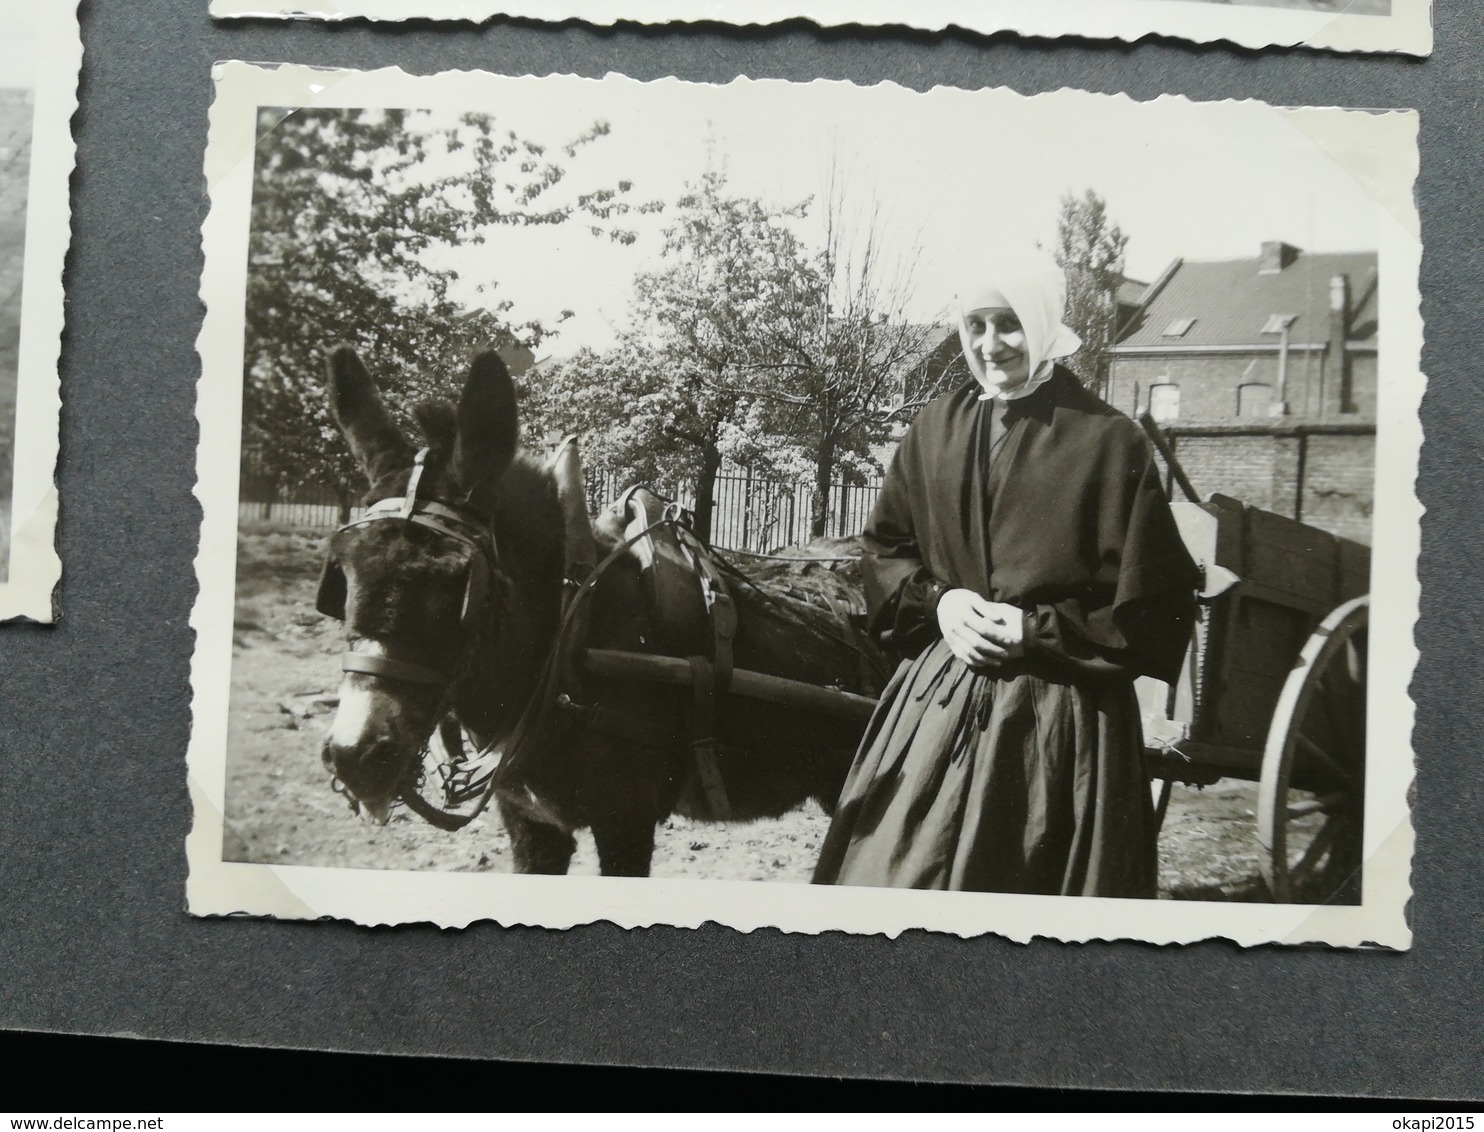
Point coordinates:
[[1254, 399], [1178, 328], [1164, 401]]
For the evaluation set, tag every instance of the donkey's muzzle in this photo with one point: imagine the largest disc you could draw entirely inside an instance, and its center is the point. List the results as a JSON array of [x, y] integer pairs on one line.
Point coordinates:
[[370, 774]]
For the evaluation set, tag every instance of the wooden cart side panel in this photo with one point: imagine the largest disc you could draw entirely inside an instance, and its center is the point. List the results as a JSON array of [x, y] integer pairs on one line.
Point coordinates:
[[1286, 557], [1355, 570], [1292, 576], [1231, 531], [1264, 640]]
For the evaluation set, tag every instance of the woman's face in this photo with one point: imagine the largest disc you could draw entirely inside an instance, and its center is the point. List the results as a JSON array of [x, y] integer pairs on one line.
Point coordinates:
[[997, 337]]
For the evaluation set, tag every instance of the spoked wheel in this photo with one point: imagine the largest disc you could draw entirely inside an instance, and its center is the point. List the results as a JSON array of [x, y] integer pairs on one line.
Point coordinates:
[[1311, 798], [452, 788]]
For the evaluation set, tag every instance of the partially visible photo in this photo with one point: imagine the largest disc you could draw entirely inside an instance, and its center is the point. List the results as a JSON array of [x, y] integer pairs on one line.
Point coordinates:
[[1347, 7], [17, 105], [36, 158], [1402, 26]]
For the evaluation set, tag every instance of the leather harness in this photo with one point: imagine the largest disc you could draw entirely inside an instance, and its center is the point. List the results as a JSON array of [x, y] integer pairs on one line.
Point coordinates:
[[458, 523], [691, 614]]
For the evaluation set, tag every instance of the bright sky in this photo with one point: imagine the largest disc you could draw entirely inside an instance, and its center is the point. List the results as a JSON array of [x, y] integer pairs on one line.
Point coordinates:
[[953, 172], [18, 43]]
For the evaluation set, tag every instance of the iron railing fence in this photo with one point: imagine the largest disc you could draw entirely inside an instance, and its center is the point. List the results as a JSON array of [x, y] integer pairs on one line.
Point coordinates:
[[750, 512], [269, 502], [754, 512]]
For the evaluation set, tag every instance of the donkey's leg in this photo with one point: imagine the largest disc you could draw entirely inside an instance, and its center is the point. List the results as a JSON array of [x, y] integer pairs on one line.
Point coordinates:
[[628, 792], [536, 846], [625, 843]]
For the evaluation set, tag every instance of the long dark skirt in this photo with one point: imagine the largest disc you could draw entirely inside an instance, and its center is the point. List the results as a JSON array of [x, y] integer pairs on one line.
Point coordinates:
[[996, 784]]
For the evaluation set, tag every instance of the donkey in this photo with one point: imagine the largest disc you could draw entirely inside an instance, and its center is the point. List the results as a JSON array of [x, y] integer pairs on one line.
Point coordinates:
[[457, 610]]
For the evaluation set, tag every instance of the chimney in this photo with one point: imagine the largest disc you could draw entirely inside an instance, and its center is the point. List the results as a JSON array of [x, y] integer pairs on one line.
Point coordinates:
[[1339, 331], [1276, 255], [1339, 300]]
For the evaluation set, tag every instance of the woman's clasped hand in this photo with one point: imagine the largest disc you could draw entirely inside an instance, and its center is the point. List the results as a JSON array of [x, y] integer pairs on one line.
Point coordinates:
[[981, 633]]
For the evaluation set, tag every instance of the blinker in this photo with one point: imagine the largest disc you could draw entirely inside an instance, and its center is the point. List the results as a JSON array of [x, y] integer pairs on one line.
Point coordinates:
[[330, 600]]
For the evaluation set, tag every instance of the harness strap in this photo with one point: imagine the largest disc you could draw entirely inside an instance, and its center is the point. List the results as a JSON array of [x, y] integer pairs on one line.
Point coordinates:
[[563, 653], [614, 721], [723, 613], [724, 628], [391, 669], [459, 524], [703, 742], [710, 678], [419, 465], [435, 517], [449, 823]]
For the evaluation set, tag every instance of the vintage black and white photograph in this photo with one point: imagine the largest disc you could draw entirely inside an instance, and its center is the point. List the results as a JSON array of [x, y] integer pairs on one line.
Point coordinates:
[[1351, 7], [931, 513], [35, 159], [1403, 26]]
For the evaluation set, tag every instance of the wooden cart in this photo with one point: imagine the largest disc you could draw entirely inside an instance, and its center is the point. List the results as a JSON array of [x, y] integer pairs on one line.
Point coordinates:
[[1273, 689]]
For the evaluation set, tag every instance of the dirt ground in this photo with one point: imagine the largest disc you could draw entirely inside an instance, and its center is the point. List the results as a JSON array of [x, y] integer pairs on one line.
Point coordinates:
[[281, 810]]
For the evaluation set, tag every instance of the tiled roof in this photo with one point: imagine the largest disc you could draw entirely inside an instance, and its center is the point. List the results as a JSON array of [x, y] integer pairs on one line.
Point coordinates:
[[920, 341], [929, 345], [1130, 291], [1230, 302]]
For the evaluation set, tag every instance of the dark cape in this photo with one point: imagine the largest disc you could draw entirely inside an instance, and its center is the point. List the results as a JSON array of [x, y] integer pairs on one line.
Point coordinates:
[[1026, 777]]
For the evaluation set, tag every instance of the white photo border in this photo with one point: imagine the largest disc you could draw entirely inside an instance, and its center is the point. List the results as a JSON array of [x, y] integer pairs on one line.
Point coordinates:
[[1407, 30], [218, 888], [34, 567]]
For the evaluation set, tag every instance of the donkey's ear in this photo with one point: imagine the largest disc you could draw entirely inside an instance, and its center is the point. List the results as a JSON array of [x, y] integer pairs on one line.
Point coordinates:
[[487, 425], [375, 440]]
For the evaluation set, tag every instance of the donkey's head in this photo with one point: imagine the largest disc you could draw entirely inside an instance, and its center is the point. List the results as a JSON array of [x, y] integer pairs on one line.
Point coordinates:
[[418, 580]]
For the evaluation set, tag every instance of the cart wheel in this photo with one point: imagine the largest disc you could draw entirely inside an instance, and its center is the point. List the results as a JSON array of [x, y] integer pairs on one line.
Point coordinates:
[[1311, 798]]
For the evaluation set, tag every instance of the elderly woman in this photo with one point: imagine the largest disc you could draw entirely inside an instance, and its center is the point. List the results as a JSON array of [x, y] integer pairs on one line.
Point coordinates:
[[1023, 558]]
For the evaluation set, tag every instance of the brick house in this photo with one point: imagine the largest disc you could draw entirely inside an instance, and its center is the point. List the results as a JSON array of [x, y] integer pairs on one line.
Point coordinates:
[[1288, 333], [1262, 372]]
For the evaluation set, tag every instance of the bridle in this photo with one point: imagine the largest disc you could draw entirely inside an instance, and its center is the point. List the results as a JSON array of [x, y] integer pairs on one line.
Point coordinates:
[[464, 525], [454, 521]]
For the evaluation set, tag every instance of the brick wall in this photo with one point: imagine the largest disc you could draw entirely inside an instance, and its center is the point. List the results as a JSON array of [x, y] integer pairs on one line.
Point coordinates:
[[1209, 383], [1339, 485], [1363, 385], [1323, 475]]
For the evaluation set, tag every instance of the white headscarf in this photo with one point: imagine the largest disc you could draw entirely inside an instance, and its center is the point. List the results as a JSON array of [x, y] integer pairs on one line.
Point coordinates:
[[1031, 284]]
